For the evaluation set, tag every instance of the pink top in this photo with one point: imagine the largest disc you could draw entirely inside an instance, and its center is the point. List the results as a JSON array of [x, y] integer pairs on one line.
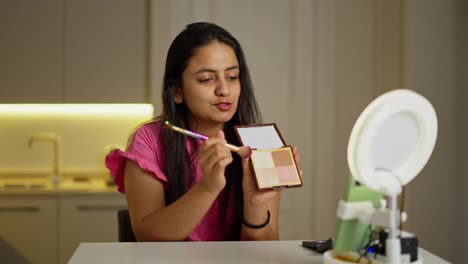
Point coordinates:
[[145, 150]]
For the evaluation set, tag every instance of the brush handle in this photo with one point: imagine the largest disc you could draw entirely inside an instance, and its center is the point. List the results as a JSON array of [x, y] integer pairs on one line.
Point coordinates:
[[242, 151], [232, 147]]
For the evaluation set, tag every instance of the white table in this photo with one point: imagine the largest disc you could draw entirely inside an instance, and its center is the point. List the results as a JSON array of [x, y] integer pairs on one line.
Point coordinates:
[[204, 252]]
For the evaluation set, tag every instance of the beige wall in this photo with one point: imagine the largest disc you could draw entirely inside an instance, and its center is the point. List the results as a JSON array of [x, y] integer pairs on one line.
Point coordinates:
[[430, 69], [316, 64], [462, 131]]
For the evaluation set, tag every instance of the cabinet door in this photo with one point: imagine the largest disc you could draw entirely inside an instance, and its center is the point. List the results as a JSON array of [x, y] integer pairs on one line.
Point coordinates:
[[31, 50], [106, 51], [28, 229], [87, 218]]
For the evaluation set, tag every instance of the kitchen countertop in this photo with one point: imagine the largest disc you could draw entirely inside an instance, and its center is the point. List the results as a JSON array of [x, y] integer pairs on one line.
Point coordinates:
[[67, 185], [103, 191]]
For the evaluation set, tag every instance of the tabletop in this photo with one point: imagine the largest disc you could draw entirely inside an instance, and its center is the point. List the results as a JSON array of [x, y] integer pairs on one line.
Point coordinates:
[[205, 252]]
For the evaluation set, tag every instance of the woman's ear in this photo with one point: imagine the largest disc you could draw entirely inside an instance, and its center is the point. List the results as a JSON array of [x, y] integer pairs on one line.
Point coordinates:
[[178, 98]]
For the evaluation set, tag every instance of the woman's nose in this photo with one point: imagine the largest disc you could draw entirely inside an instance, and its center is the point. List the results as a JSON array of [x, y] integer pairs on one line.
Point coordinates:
[[222, 89]]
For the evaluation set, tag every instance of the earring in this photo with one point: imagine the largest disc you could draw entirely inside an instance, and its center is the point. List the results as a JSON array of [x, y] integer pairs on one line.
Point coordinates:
[[178, 100]]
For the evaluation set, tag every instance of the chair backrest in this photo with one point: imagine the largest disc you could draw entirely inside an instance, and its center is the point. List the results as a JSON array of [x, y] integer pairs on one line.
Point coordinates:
[[125, 227]]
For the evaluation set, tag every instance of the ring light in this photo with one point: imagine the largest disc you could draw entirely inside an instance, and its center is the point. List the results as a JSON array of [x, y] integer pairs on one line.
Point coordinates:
[[392, 140]]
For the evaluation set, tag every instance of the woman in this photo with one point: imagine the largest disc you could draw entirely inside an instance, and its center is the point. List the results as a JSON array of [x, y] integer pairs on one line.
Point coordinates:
[[178, 188]]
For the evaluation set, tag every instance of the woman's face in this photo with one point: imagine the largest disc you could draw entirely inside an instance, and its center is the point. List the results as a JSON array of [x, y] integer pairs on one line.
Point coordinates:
[[211, 86]]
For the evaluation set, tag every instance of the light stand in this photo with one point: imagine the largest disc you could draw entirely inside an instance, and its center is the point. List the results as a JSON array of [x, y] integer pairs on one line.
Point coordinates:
[[390, 143]]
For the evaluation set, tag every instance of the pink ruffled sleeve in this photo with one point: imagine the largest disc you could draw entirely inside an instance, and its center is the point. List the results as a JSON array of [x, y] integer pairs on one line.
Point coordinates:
[[144, 149]]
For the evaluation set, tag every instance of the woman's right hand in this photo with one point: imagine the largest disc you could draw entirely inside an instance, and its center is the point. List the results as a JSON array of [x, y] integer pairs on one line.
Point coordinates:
[[213, 158]]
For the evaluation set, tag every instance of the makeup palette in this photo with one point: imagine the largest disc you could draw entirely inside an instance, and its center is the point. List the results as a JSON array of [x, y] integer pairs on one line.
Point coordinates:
[[272, 161]]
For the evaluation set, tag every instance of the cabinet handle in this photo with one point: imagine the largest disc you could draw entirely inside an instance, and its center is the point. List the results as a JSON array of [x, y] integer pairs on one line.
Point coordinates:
[[99, 207], [20, 209]]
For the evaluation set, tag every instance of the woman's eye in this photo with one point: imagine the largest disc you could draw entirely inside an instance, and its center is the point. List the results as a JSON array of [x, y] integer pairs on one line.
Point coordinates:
[[206, 80], [233, 78]]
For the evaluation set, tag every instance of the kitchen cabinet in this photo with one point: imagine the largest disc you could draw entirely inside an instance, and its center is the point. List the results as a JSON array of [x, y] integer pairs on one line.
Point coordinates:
[[87, 218], [105, 51], [28, 228], [73, 51], [31, 51], [46, 228]]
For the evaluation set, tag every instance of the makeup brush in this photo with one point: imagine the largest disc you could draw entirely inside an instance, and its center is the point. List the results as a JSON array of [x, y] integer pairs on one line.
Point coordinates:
[[244, 152]]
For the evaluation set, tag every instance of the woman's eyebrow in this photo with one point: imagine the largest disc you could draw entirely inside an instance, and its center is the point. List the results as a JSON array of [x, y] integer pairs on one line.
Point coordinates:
[[232, 68], [202, 70]]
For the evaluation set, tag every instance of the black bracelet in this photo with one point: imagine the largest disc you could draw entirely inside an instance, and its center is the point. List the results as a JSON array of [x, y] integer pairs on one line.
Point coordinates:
[[249, 225]]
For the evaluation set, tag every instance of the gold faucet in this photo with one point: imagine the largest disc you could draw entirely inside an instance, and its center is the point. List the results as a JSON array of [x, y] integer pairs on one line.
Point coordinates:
[[51, 137]]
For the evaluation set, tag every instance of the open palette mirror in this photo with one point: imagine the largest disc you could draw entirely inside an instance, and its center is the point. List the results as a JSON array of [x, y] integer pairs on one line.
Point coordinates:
[[272, 160]]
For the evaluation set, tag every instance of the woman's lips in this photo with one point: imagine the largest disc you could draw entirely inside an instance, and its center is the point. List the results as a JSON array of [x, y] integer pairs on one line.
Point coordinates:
[[224, 106]]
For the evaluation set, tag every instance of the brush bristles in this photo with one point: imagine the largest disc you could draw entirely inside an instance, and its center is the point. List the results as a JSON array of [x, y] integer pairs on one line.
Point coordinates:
[[244, 152]]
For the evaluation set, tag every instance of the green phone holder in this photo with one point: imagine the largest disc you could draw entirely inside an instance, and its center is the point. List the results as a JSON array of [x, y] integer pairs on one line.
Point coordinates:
[[352, 235]]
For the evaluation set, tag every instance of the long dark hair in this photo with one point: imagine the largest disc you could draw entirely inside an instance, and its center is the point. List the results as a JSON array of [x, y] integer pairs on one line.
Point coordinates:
[[182, 49]]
